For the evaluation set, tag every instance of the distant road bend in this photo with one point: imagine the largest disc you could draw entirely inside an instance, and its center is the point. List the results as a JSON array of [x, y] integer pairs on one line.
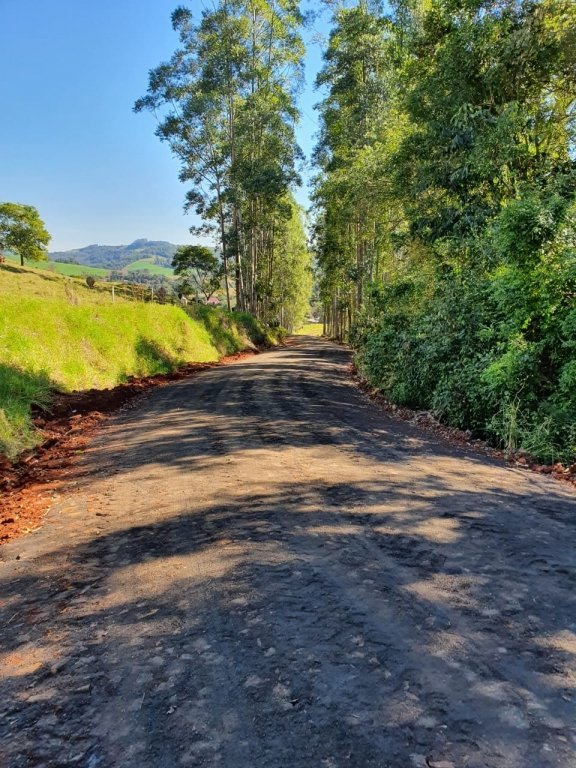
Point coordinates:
[[260, 569]]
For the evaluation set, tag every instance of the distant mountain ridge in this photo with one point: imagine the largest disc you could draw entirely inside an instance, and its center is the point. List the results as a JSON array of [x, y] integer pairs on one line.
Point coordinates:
[[118, 256]]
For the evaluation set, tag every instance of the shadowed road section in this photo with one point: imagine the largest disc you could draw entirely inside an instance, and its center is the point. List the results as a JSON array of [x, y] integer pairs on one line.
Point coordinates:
[[261, 569]]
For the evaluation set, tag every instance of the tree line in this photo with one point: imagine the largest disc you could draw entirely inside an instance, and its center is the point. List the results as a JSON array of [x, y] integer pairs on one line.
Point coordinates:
[[226, 106], [444, 213], [445, 226]]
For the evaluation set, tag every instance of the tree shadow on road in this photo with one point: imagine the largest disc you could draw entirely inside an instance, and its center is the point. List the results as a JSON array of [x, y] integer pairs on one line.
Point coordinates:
[[406, 604], [294, 630]]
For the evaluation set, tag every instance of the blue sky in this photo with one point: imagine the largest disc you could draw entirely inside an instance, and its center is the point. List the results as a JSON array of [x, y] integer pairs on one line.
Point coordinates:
[[69, 142]]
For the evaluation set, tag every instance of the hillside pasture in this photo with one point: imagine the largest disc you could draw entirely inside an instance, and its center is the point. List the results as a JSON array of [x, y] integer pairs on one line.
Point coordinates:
[[148, 265], [75, 270]]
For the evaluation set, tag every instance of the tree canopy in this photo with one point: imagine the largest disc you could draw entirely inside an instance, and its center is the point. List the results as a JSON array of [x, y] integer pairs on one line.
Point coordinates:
[[226, 107], [445, 216], [23, 232], [199, 269]]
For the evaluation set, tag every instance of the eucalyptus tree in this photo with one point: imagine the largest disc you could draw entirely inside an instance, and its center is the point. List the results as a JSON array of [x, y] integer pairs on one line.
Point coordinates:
[[286, 294], [350, 188], [267, 151], [226, 106], [194, 99], [465, 163]]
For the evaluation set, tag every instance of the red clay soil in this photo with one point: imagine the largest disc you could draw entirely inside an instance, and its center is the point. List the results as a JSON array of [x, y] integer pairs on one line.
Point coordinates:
[[28, 484]]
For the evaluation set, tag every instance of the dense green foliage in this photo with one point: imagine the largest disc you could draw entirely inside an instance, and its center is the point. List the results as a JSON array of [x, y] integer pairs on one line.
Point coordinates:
[[198, 269], [234, 331], [226, 107], [59, 335], [446, 215], [23, 232]]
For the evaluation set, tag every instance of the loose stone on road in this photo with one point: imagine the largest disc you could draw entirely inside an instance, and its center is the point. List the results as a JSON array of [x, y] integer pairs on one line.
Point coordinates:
[[259, 568]]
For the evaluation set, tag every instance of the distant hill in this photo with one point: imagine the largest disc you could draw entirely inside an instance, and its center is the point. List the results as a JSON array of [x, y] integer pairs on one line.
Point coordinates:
[[119, 256]]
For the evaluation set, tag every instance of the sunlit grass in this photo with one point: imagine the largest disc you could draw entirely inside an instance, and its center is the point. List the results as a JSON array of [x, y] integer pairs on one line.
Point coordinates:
[[310, 329], [75, 270], [58, 334]]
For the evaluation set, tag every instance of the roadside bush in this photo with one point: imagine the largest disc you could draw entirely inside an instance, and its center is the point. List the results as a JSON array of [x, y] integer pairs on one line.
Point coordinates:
[[234, 331], [489, 345]]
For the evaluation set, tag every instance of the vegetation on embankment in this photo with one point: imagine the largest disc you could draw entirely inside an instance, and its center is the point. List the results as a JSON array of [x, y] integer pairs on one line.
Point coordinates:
[[58, 335], [446, 211]]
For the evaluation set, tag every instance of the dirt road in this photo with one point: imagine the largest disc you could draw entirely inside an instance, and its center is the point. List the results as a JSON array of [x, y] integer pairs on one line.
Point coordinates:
[[259, 569]]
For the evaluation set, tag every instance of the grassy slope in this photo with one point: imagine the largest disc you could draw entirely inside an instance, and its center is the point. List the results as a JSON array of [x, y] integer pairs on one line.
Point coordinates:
[[57, 334], [75, 270], [149, 266]]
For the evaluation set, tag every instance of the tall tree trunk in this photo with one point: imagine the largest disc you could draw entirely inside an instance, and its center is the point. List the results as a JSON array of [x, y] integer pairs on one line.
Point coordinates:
[[223, 241], [240, 303]]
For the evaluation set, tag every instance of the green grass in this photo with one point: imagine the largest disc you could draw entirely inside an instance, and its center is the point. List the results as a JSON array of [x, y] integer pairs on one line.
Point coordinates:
[[232, 331], [75, 270], [148, 265], [81, 270], [34, 281], [11, 256], [310, 329], [57, 334]]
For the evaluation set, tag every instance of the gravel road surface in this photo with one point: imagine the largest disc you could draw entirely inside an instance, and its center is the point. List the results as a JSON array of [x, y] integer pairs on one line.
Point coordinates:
[[260, 569]]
